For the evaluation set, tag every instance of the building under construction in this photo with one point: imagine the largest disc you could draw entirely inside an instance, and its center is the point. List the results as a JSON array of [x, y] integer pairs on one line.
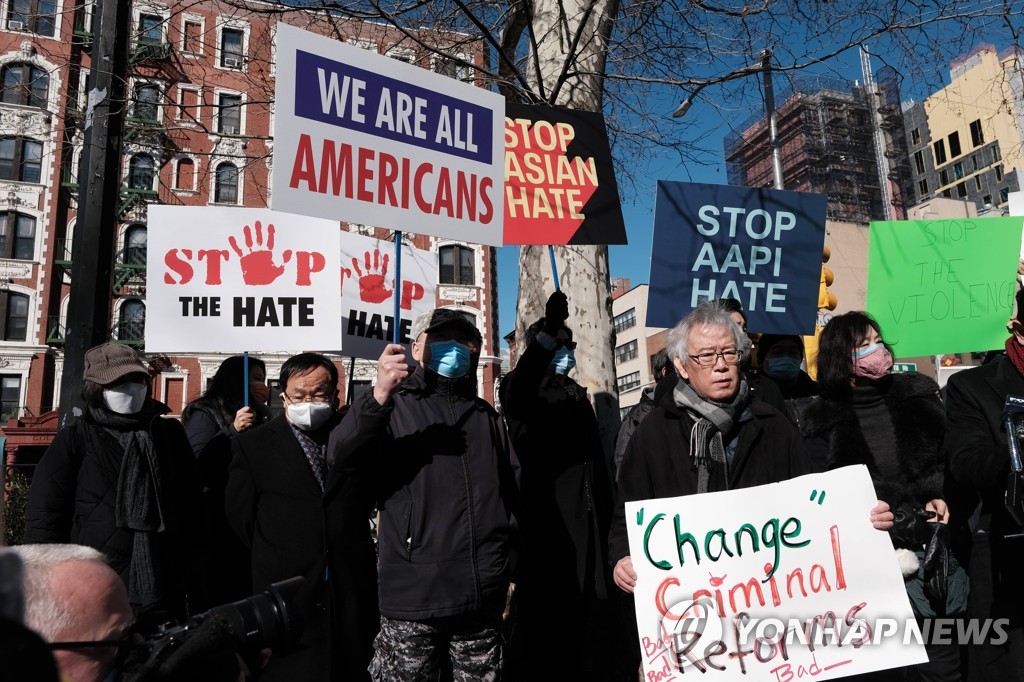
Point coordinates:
[[826, 134]]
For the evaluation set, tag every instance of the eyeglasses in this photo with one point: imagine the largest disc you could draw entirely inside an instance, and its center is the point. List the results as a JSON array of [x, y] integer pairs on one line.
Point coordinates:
[[315, 398], [731, 357]]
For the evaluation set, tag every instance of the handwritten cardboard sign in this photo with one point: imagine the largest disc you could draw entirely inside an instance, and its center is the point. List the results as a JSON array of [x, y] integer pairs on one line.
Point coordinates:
[[368, 293], [368, 139], [781, 581], [230, 279], [943, 286], [760, 246], [559, 181]]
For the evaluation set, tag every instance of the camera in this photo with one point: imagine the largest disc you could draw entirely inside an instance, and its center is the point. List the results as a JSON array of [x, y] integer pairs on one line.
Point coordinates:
[[1013, 420], [269, 620]]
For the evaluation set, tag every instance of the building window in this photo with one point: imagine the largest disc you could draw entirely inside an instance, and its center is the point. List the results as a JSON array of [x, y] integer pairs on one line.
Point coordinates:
[[10, 396], [229, 118], [958, 169], [919, 161], [231, 52], [974, 162], [449, 66], [939, 147], [188, 105], [135, 238], [1004, 195], [915, 136], [996, 154], [977, 135], [132, 321], [977, 182], [21, 159], [225, 189], [626, 352], [628, 382], [185, 175], [954, 145], [948, 193], [151, 29], [192, 37], [141, 172], [15, 316], [944, 177], [961, 190], [25, 84], [922, 188], [17, 236], [623, 411], [147, 103], [37, 16], [457, 265], [625, 320], [987, 200], [999, 173]]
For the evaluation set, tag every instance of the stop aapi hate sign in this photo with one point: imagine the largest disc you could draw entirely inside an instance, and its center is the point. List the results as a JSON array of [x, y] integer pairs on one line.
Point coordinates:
[[721, 575], [232, 279]]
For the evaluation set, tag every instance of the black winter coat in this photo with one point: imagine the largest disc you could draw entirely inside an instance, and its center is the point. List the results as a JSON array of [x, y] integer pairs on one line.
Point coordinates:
[[834, 435], [448, 485], [294, 528], [658, 462], [74, 494]]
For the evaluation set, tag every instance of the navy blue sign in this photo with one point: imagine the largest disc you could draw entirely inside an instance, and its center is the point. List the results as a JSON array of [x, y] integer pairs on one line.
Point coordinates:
[[760, 246], [343, 95]]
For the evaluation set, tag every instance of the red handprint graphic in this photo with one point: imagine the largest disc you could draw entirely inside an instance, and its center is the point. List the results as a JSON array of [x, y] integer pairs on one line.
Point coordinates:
[[372, 285], [258, 267]]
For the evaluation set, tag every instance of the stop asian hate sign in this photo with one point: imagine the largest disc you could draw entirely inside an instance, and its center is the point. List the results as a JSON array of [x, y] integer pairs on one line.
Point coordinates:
[[761, 247]]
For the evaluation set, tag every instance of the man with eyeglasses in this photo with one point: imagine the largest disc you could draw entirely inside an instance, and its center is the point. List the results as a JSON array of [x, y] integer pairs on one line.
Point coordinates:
[[566, 508], [707, 435], [302, 511], [447, 489]]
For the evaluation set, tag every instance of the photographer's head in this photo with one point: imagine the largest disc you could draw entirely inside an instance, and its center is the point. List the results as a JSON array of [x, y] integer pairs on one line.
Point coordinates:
[[79, 605]]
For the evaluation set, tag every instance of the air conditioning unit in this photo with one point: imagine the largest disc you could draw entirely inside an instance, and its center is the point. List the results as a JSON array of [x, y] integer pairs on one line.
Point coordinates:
[[232, 62], [230, 130], [15, 25]]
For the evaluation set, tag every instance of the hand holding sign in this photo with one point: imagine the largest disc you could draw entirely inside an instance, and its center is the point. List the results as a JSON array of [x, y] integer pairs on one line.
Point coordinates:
[[373, 287], [258, 267], [392, 370]]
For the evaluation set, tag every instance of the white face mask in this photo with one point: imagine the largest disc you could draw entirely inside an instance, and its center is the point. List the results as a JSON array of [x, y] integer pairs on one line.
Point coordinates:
[[309, 416], [126, 398]]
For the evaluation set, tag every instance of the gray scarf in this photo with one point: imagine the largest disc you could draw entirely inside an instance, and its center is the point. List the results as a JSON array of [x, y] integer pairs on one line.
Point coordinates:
[[712, 420]]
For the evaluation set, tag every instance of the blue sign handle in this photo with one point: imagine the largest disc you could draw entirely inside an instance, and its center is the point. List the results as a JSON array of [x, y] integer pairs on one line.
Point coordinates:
[[245, 378], [554, 267], [397, 334]]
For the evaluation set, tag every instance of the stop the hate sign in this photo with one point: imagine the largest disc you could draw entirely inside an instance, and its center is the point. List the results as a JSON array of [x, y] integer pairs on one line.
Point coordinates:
[[762, 247], [368, 139]]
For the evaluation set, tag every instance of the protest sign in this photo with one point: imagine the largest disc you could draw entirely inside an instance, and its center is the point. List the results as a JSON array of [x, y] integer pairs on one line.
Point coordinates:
[[559, 181], [777, 582], [384, 143], [943, 286], [760, 246], [368, 293], [231, 279]]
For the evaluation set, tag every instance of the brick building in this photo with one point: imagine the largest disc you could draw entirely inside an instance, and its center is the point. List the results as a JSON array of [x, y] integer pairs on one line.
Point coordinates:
[[197, 133]]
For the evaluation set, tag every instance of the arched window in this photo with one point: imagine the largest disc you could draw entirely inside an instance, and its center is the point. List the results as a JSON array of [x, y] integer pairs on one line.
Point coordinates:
[[21, 159], [456, 265], [132, 321], [15, 316], [25, 84], [226, 188], [141, 171], [135, 245], [17, 236], [185, 175], [147, 102]]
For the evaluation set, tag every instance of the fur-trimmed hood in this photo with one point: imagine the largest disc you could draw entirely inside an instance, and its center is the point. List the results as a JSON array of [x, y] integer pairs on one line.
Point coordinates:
[[834, 437]]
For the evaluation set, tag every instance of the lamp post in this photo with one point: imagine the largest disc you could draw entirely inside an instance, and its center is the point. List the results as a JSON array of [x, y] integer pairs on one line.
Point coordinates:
[[769, 105]]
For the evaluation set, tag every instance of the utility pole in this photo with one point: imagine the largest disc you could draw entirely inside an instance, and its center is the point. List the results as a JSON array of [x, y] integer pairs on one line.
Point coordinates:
[[769, 104], [92, 252]]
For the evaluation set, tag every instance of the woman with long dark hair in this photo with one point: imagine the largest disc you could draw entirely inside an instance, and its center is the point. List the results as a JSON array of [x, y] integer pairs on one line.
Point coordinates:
[[893, 424], [211, 422]]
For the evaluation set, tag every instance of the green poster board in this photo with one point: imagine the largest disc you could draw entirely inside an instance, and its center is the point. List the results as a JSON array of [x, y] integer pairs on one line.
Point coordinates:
[[943, 286]]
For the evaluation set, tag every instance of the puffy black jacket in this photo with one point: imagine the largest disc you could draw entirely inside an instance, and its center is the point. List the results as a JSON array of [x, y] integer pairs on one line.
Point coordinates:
[[448, 486], [74, 494]]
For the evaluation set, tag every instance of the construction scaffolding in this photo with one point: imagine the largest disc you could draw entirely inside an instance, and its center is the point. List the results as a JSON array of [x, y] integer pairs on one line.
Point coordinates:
[[825, 136]]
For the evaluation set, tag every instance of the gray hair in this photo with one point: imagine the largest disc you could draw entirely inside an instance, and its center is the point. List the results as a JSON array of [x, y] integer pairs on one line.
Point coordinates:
[[707, 314], [46, 610]]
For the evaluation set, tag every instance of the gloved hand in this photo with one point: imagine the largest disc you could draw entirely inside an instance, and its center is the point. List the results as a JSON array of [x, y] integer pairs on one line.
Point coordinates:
[[556, 312]]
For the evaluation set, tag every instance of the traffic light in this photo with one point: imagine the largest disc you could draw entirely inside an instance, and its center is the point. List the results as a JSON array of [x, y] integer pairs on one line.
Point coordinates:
[[826, 299]]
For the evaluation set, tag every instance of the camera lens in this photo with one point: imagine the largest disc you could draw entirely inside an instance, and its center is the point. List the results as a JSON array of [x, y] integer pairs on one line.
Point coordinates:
[[271, 619]]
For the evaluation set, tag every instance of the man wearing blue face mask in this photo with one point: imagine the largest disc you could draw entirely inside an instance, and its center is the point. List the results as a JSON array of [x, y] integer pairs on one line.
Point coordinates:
[[566, 509], [447, 487], [122, 479]]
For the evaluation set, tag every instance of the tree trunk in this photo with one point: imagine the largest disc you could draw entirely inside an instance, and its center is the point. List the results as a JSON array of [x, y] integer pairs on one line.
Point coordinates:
[[572, 38]]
